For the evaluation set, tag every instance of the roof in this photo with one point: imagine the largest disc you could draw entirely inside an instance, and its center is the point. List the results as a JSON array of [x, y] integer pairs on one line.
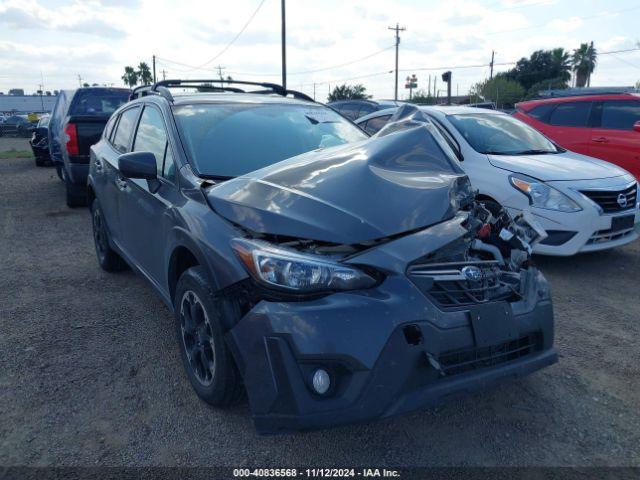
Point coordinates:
[[575, 98], [27, 103]]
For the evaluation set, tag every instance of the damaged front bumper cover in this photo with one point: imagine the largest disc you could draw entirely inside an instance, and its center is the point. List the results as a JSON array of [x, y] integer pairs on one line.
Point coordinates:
[[388, 350]]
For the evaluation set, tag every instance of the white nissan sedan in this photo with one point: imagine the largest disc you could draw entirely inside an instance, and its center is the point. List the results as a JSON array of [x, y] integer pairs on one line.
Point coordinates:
[[583, 203]]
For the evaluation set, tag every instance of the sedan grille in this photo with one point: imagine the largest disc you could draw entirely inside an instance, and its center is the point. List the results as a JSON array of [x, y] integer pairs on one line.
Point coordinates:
[[614, 201], [451, 285]]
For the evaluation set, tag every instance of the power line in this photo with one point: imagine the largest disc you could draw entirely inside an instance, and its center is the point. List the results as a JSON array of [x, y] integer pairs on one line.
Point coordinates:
[[255, 12], [302, 72]]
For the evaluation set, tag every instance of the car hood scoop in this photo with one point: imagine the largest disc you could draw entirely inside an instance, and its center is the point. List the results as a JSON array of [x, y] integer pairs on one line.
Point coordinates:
[[383, 186]]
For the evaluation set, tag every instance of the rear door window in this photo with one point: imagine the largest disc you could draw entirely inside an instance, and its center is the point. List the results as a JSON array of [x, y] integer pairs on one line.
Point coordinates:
[[124, 129], [571, 114], [620, 114]]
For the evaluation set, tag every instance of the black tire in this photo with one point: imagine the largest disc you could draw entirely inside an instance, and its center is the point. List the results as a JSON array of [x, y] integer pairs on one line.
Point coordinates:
[[199, 321], [109, 260]]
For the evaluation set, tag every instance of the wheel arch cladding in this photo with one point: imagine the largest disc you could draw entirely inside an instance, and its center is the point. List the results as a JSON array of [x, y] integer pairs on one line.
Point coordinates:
[[182, 258]]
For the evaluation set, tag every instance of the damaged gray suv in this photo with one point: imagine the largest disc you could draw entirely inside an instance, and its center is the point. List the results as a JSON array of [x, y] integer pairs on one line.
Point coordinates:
[[333, 277]]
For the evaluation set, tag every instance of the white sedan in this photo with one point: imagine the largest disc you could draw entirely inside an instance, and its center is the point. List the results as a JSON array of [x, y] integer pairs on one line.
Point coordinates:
[[583, 203]]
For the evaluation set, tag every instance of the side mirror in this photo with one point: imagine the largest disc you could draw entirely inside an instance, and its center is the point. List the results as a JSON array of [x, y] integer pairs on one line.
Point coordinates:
[[138, 165], [636, 126]]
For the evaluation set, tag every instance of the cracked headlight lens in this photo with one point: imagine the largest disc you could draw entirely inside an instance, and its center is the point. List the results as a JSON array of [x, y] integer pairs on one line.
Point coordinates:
[[290, 270], [542, 195]]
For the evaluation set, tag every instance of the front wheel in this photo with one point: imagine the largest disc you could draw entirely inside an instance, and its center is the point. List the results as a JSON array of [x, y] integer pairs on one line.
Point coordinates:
[[109, 260], [199, 320]]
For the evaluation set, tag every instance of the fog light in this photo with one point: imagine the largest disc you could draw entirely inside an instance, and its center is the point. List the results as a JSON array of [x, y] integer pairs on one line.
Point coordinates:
[[321, 381]]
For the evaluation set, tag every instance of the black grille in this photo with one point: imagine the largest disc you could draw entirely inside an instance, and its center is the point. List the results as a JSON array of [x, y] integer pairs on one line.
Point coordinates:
[[608, 200], [448, 286], [461, 361]]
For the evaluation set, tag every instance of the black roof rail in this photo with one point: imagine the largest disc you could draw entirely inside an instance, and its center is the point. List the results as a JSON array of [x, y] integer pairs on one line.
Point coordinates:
[[218, 85], [140, 91]]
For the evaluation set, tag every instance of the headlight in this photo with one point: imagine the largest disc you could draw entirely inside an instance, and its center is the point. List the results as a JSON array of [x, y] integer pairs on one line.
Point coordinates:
[[287, 269], [542, 195]]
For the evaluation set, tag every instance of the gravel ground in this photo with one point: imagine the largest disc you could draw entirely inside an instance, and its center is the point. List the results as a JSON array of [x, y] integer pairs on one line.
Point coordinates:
[[91, 373]]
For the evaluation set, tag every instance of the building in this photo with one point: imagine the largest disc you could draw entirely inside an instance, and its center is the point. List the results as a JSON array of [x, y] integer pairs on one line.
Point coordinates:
[[26, 103]]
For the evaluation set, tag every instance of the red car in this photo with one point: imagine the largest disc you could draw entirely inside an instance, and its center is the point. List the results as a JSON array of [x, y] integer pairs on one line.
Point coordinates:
[[605, 126]]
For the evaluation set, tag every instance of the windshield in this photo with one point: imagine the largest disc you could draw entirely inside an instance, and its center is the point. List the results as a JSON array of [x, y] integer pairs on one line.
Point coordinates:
[[228, 140], [500, 134]]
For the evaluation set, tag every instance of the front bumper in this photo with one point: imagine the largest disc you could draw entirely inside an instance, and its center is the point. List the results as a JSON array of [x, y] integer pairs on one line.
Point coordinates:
[[377, 369]]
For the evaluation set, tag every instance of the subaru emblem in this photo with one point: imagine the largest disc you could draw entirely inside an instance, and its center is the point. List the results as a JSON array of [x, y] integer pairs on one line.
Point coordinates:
[[472, 273], [622, 200]]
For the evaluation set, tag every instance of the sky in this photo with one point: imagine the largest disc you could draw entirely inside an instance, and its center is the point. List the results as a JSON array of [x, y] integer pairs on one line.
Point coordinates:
[[329, 42]]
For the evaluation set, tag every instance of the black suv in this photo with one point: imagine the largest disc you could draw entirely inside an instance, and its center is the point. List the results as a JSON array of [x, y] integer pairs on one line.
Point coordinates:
[[333, 277]]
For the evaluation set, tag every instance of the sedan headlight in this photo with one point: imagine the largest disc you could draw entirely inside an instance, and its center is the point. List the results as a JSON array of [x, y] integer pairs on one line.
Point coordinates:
[[289, 270], [542, 195]]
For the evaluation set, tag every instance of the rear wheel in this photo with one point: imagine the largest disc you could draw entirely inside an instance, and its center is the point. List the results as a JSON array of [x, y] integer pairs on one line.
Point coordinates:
[[199, 320], [107, 258]]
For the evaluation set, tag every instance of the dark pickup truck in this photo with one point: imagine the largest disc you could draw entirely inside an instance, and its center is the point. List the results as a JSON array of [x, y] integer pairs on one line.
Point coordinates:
[[77, 122]]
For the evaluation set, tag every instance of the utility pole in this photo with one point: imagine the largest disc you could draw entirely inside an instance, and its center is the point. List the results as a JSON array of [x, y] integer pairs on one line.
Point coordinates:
[[491, 64], [154, 69], [40, 92], [220, 72], [284, 46], [79, 80], [164, 74], [314, 90], [397, 29], [429, 87], [446, 77]]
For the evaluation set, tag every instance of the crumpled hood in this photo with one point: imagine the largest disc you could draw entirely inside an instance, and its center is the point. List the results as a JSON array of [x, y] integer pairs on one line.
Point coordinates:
[[348, 194], [562, 166]]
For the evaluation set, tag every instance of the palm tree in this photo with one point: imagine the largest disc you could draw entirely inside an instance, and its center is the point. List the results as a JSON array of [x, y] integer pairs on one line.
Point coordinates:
[[584, 63], [144, 73], [562, 61], [130, 77]]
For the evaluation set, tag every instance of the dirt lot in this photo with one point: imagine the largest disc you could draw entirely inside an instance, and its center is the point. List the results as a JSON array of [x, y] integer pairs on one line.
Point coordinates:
[[91, 374]]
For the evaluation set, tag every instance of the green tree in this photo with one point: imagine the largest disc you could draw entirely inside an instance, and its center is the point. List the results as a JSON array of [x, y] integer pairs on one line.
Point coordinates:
[[541, 65], [505, 93], [130, 77], [144, 73], [348, 92], [422, 97], [584, 63], [551, 84]]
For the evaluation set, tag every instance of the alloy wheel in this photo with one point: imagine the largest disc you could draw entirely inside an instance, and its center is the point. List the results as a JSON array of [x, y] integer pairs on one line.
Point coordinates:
[[197, 337], [99, 233]]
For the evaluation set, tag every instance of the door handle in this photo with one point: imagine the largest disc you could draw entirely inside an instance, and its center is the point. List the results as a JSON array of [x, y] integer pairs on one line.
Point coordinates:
[[600, 139], [121, 183], [98, 165]]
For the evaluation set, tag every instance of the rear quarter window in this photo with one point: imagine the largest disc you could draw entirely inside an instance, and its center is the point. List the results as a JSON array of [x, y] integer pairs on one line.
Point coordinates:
[[541, 112]]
